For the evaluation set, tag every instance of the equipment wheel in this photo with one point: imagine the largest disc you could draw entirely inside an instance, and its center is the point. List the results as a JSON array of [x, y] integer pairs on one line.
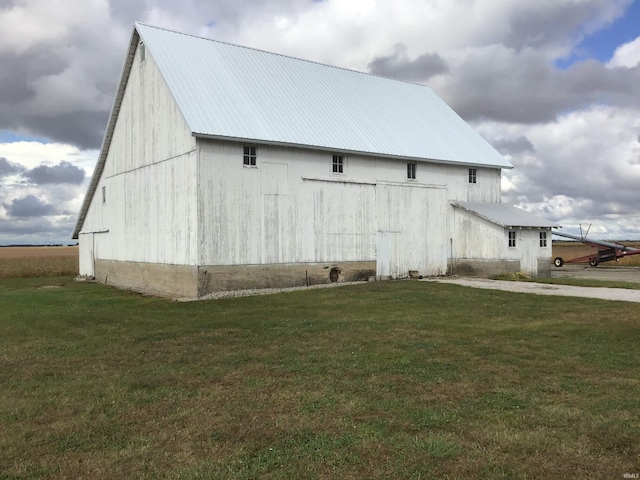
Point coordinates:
[[593, 263], [558, 262]]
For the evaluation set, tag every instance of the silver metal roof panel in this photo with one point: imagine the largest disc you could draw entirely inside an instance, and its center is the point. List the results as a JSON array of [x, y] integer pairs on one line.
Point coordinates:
[[505, 215], [235, 92]]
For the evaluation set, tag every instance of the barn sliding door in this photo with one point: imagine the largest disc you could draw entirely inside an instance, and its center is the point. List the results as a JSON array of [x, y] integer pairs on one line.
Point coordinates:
[[411, 230]]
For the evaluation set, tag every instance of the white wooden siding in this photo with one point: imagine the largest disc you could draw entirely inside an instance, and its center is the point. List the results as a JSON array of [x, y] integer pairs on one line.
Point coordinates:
[[274, 214], [476, 238], [411, 230], [177, 200], [150, 127], [85, 246], [292, 208], [150, 180]]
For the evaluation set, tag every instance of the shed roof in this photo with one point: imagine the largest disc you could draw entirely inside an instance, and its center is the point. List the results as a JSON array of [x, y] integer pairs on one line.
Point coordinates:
[[236, 92], [505, 215]]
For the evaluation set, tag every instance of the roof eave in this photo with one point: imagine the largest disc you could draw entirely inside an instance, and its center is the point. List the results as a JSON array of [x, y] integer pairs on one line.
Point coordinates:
[[325, 148], [495, 222], [106, 141]]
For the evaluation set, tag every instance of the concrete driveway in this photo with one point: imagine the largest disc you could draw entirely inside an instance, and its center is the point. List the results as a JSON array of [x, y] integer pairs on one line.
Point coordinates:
[[627, 274]]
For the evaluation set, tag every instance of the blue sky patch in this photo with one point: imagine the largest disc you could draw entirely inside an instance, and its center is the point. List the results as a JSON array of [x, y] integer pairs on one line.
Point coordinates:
[[602, 44], [7, 136]]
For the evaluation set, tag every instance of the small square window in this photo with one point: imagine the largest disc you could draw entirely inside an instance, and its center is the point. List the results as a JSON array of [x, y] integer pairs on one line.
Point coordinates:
[[338, 164], [104, 195], [411, 170], [543, 239], [249, 157], [512, 238], [143, 52], [473, 173]]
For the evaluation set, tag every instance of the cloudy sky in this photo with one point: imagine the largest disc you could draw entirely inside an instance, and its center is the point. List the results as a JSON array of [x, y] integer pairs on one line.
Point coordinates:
[[554, 85]]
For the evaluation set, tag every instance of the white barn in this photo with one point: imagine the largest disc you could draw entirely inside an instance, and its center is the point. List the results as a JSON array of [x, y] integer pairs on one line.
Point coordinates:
[[224, 167]]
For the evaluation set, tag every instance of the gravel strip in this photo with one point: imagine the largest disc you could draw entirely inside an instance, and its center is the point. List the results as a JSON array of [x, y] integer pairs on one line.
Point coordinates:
[[264, 291], [603, 293]]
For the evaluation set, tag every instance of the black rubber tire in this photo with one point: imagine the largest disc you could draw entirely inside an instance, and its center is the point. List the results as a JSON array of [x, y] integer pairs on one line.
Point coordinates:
[[558, 262], [593, 263]]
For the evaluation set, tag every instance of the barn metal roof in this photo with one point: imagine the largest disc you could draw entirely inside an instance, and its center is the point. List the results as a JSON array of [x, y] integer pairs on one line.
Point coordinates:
[[505, 215], [228, 91], [237, 93]]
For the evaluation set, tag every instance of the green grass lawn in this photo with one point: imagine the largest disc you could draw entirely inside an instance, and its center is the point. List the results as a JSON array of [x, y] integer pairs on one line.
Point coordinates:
[[379, 380]]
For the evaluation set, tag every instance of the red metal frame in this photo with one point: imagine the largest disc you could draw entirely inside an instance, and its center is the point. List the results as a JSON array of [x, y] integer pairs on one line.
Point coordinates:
[[602, 255], [605, 251]]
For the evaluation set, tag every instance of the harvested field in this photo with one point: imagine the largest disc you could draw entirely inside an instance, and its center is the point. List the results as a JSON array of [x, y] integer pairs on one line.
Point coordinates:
[[56, 261], [38, 261]]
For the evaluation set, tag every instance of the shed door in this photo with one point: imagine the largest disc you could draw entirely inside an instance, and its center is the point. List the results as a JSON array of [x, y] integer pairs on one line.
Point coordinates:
[[86, 245]]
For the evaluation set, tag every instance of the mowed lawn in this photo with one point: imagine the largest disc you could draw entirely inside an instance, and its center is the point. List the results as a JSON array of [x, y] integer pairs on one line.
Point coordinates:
[[380, 380]]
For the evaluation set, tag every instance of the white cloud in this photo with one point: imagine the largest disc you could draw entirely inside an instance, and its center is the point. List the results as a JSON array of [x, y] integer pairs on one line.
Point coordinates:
[[33, 154], [583, 168], [71, 90], [60, 201], [627, 55], [29, 23], [351, 33]]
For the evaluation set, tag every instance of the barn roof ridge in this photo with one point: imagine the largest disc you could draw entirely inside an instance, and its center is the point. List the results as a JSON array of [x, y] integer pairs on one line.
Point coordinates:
[[283, 55]]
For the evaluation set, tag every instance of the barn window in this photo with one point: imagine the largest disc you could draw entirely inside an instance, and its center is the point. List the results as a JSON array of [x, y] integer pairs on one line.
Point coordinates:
[[543, 239], [104, 195], [512, 238], [143, 52], [411, 170], [249, 157], [338, 164], [473, 175]]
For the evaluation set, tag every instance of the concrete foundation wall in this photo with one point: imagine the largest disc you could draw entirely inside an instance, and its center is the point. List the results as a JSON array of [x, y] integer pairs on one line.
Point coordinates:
[[216, 278], [191, 281], [477, 266], [544, 267], [156, 278]]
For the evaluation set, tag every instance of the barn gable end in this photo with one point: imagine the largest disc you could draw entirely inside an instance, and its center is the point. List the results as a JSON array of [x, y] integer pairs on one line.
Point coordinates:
[[142, 200]]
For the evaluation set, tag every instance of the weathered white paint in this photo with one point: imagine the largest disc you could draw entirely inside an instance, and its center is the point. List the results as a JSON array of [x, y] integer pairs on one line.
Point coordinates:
[[149, 179], [474, 238], [85, 247], [175, 199], [291, 208], [411, 219]]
